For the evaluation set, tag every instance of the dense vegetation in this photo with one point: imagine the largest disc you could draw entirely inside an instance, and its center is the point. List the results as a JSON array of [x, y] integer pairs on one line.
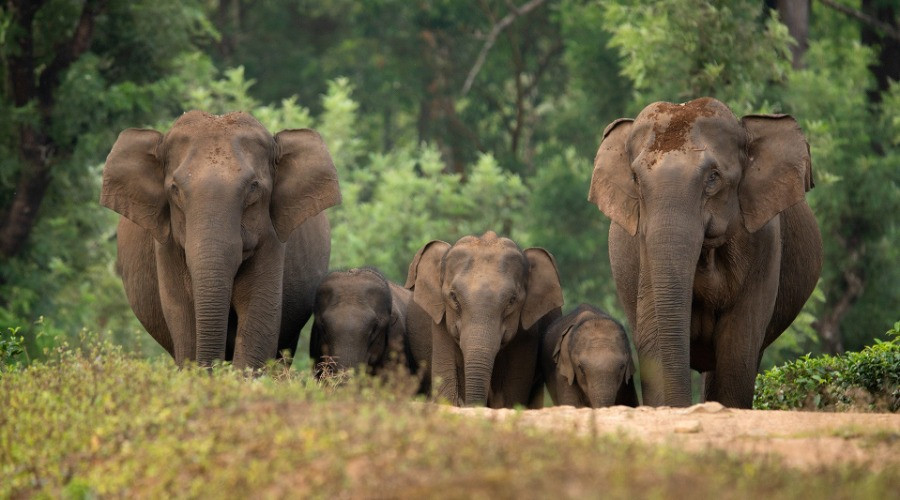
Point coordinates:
[[444, 118], [96, 422], [868, 380]]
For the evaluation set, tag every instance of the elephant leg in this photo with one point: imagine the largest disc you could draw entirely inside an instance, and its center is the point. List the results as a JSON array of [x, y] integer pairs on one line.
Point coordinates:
[[569, 395], [515, 372], [739, 338], [257, 301], [136, 263], [446, 365], [624, 257], [306, 257], [177, 301]]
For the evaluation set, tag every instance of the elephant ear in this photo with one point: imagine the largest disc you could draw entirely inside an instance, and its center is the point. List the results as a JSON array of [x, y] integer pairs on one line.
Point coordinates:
[[612, 185], [562, 357], [424, 278], [779, 169], [133, 181], [543, 292], [306, 181]]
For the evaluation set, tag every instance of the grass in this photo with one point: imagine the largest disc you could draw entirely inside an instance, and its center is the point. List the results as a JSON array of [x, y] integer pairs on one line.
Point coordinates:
[[97, 423]]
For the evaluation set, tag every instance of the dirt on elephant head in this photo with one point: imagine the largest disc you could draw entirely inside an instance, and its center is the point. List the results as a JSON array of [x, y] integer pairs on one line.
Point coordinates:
[[672, 134]]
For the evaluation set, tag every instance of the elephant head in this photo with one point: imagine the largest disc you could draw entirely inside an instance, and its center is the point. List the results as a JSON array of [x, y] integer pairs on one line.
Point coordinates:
[[593, 354], [482, 291], [684, 179], [216, 190], [355, 317]]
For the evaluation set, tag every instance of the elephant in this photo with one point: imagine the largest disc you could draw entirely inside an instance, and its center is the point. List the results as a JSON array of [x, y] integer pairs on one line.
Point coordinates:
[[713, 248], [484, 303], [222, 238], [586, 360], [360, 319]]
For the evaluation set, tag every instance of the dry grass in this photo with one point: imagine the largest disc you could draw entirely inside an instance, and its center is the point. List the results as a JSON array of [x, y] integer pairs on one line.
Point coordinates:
[[99, 423]]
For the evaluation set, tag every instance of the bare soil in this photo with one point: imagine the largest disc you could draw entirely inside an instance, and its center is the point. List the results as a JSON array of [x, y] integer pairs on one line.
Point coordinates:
[[806, 440]]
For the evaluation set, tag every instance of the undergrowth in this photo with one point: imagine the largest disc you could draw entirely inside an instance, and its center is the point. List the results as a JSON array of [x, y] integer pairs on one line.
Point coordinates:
[[868, 380], [94, 422]]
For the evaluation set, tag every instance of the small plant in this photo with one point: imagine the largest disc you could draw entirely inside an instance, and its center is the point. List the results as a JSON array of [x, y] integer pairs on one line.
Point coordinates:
[[12, 345], [868, 380]]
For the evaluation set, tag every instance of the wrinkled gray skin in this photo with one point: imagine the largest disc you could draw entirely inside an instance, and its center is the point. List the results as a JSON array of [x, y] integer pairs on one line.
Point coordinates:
[[586, 360], [713, 248], [360, 320], [485, 304], [222, 242]]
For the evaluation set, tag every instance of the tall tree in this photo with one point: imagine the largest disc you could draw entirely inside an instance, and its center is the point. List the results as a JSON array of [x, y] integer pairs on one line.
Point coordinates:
[[34, 67], [45, 40], [859, 243]]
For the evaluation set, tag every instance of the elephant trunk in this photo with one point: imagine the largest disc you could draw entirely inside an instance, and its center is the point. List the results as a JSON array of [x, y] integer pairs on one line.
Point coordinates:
[[672, 253], [601, 391], [478, 363], [213, 257]]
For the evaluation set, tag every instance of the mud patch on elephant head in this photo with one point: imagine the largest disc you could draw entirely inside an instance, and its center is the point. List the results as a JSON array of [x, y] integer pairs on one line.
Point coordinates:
[[673, 134]]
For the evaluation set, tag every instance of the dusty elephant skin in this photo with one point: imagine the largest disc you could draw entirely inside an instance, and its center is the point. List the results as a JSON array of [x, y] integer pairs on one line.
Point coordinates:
[[586, 360], [360, 320], [483, 303], [713, 248], [222, 242]]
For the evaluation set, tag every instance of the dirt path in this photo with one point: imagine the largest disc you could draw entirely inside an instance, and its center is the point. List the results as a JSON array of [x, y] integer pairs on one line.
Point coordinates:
[[801, 439]]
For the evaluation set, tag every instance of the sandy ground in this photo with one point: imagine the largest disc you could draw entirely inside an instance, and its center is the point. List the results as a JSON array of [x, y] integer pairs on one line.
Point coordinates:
[[800, 439]]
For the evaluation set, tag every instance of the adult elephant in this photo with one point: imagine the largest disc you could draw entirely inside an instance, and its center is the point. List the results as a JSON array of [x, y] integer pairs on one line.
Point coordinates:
[[488, 302], [222, 242], [713, 248]]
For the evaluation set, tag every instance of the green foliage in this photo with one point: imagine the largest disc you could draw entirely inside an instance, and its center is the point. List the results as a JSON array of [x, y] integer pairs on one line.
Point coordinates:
[[142, 63], [573, 230], [678, 50], [865, 380], [855, 160], [400, 201], [93, 422], [12, 345]]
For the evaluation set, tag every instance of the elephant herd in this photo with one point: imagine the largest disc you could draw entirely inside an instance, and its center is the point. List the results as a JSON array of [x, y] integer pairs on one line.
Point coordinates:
[[223, 250]]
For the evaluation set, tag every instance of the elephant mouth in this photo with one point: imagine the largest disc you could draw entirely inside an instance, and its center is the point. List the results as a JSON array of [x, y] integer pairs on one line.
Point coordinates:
[[710, 242]]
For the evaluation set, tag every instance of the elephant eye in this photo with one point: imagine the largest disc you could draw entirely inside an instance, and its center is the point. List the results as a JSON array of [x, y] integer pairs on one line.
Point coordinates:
[[712, 180], [455, 300], [252, 193], [512, 300]]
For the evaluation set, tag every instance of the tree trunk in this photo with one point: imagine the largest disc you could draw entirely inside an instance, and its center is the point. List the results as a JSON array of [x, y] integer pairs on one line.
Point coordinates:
[[30, 84], [795, 14], [887, 65]]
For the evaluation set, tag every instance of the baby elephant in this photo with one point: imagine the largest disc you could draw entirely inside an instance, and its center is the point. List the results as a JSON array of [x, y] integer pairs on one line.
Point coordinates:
[[360, 319], [586, 360]]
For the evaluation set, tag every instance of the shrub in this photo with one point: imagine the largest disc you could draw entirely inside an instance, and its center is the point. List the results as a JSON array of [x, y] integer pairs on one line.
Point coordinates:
[[868, 380]]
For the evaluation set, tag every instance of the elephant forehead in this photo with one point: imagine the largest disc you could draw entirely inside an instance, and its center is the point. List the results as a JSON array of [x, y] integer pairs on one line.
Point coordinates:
[[487, 260], [348, 316], [665, 127], [219, 137], [229, 122], [600, 333]]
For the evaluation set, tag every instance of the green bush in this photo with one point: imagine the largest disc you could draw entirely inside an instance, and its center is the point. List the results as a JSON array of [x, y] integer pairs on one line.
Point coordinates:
[[868, 380]]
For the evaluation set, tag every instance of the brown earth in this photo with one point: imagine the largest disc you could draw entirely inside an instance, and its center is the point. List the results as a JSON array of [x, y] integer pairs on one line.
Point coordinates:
[[801, 439]]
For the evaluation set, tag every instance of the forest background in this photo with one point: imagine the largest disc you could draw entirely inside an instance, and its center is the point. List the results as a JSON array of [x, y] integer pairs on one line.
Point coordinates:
[[444, 118]]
